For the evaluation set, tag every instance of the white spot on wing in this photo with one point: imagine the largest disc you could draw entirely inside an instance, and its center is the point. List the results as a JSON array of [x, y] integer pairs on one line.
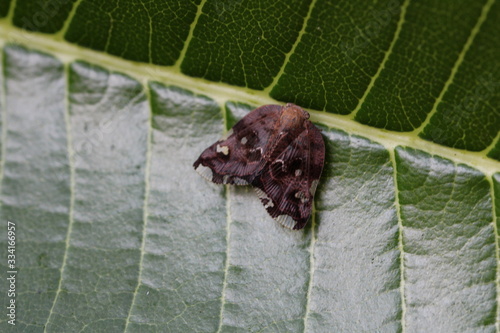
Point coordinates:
[[263, 196], [244, 140], [314, 184], [223, 149], [298, 172], [286, 221], [255, 149], [240, 181], [205, 172], [302, 196]]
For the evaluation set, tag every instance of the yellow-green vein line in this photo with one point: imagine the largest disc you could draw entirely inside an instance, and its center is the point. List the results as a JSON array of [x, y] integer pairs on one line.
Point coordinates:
[[228, 236], [150, 39], [183, 52], [226, 264], [312, 246], [460, 59], [292, 50], [497, 251], [10, 14], [145, 212], [392, 155], [66, 24], [391, 139], [399, 27], [493, 144], [220, 92], [71, 162]]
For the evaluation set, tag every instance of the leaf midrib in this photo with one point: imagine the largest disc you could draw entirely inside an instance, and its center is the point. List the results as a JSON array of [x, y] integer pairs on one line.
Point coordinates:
[[222, 92]]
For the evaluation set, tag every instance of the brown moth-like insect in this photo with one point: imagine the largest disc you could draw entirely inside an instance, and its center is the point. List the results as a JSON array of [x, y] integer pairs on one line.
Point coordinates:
[[278, 151]]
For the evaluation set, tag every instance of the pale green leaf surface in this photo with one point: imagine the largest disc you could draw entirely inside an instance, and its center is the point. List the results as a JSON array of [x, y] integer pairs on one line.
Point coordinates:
[[108, 148], [449, 244], [35, 189], [116, 232]]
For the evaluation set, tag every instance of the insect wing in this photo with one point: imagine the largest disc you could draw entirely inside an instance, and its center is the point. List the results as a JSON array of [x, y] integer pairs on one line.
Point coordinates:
[[287, 184], [237, 158]]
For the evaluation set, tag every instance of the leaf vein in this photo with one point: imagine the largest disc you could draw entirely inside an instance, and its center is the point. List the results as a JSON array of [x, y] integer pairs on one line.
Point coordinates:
[[400, 239], [71, 162], [497, 251], [312, 246], [386, 57], [292, 50], [199, 11], [145, 211], [226, 264], [456, 66]]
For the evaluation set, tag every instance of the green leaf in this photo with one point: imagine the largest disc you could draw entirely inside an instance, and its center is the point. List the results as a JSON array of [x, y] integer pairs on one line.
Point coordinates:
[[106, 105]]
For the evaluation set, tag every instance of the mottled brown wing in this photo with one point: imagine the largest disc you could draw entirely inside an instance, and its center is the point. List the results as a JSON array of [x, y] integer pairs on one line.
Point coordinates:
[[237, 158], [287, 184]]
